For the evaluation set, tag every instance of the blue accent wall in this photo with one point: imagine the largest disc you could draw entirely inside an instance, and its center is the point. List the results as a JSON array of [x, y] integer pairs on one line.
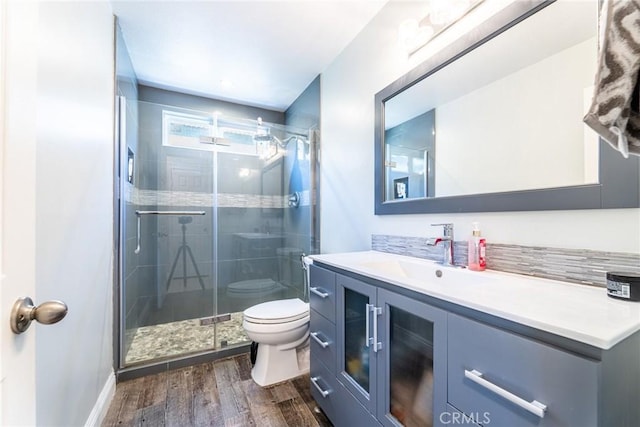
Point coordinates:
[[305, 111], [302, 223]]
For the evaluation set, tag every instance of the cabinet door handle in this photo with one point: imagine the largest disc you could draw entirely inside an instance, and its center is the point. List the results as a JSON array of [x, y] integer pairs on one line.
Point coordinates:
[[321, 294], [323, 344], [377, 311], [368, 340], [324, 393], [534, 407]]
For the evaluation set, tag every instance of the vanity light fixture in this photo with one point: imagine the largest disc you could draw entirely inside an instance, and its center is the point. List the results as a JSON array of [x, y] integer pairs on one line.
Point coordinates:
[[414, 34]]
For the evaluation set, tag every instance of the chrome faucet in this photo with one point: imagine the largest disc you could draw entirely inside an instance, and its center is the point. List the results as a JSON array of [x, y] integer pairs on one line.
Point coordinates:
[[447, 242]]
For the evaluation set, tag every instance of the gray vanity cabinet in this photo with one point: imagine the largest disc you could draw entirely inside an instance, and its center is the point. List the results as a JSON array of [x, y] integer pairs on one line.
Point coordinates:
[[412, 361], [390, 356], [383, 355], [334, 399], [503, 379]]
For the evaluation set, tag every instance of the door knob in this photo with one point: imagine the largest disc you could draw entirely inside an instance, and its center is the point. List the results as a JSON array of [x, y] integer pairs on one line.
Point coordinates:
[[23, 312]]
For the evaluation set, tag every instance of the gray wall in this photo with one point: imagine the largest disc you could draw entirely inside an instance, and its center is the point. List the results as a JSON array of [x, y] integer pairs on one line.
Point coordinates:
[[304, 112], [199, 103], [301, 223]]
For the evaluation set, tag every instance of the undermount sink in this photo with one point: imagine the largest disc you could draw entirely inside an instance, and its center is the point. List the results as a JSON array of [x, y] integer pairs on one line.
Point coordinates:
[[419, 269]]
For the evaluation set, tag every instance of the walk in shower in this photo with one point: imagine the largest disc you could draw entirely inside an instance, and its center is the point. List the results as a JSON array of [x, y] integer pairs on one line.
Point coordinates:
[[215, 213]]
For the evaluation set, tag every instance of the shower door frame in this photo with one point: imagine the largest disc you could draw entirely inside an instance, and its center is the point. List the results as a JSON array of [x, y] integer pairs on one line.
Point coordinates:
[[124, 372]]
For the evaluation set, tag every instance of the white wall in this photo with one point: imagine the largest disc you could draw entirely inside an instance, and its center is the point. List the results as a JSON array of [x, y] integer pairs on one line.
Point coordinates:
[[74, 219], [371, 62]]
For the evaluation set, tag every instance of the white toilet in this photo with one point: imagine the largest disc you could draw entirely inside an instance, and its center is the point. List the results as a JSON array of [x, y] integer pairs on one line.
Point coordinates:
[[280, 328]]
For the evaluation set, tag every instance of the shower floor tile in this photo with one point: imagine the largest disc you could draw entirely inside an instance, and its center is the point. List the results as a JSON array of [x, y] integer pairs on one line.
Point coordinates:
[[183, 337]]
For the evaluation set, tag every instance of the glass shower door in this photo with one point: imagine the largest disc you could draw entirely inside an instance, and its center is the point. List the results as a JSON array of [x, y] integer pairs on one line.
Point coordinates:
[[260, 236], [207, 228], [167, 251]]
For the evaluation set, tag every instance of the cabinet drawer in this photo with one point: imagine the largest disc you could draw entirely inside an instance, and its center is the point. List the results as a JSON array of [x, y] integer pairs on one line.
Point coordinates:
[[322, 295], [323, 340], [323, 388], [495, 373], [336, 401]]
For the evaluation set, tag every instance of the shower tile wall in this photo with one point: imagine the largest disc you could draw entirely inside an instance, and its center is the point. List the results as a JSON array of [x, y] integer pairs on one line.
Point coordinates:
[[248, 233], [172, 178]]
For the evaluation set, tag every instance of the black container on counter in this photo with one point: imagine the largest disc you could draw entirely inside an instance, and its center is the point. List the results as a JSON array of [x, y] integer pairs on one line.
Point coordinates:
[[624, 286]]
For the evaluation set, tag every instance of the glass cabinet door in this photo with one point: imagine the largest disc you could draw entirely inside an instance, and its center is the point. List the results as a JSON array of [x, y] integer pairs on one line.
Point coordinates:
[[356, 351], [413, 363], [356, 356]]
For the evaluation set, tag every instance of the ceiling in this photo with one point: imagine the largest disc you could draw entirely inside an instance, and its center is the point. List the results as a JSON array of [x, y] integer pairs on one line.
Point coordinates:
[[259, 53]]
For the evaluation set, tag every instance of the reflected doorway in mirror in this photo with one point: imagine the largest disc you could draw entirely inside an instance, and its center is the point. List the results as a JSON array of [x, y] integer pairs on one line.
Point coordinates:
[[401, 188]]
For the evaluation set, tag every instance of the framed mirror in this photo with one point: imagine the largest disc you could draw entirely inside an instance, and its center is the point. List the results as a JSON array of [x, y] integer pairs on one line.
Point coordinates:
[[494, 122]]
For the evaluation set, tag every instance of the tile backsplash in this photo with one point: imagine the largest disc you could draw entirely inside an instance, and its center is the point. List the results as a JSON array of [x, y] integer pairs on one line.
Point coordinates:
[[571, 265]]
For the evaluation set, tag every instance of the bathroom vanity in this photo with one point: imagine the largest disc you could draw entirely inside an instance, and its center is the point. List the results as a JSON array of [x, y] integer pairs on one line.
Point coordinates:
[[397, 340]]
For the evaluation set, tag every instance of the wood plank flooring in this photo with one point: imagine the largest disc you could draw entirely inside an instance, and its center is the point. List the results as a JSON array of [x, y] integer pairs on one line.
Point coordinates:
[[219, 393]]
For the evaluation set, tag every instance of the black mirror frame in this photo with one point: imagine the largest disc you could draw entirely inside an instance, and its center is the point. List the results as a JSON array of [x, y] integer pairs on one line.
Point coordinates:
[[619, 178]]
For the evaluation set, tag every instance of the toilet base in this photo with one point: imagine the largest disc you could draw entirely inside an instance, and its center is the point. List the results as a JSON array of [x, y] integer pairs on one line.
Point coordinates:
[[274, 365]]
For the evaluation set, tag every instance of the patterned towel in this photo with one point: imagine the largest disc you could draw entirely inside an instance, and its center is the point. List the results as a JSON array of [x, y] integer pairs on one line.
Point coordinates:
[[615, 113]]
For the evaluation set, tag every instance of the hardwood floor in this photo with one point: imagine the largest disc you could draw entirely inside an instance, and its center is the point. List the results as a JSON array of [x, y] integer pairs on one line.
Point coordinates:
[[219, 393]]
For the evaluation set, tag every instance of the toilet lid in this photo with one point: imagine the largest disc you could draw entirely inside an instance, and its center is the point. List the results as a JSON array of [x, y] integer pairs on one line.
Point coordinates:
[[279, 311], [253, 286]]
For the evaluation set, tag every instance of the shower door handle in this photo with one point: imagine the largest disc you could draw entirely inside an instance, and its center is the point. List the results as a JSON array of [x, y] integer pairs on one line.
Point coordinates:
[[47, 313]]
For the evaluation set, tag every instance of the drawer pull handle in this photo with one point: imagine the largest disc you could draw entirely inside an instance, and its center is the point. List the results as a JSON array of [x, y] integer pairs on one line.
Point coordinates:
[[321, 294], [534, 407], [323, 344], [324, 393]]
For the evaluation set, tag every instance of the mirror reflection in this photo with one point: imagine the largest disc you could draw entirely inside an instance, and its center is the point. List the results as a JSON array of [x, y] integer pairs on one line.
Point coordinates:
[[410, 150], [510, 123]]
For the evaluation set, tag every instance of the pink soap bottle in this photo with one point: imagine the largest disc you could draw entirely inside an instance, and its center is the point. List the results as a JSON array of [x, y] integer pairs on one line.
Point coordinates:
[[477, 250]]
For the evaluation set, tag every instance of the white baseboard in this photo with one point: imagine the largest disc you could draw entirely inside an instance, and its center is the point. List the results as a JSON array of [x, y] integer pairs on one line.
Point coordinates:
[[101, 407]]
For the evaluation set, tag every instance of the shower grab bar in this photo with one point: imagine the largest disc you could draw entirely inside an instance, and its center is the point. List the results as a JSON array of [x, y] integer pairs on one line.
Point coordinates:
[[177, 213]]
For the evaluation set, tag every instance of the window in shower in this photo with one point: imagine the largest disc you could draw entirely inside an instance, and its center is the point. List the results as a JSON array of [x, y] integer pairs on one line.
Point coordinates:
[[181, 129]]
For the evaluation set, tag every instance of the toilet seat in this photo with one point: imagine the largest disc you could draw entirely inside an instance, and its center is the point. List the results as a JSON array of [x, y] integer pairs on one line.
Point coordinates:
[[280, 311]]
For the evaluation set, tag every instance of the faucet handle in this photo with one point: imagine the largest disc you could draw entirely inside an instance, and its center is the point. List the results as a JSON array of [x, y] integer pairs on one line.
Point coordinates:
[[448, 227], [444, 224]]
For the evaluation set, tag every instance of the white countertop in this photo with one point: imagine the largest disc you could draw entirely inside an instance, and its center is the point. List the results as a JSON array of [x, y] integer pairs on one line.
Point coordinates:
[[579, 312]]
